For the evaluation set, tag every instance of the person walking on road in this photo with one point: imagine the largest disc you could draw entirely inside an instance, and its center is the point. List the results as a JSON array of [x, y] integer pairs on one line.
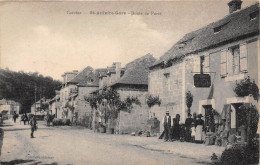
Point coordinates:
[[15, 116], [25, 118], [33, 124]]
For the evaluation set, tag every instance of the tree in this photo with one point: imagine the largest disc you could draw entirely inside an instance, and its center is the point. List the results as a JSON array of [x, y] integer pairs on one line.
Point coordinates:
[[110, 99], [22, 87], [189, 100]]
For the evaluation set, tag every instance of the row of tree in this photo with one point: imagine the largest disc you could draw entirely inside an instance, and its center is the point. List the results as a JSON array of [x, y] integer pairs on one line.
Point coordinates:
[[25, 88]]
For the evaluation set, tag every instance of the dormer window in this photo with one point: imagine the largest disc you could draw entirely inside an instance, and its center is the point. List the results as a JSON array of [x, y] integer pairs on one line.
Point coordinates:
[[253, 15], [166, 75], [217, 29], [185, 42]]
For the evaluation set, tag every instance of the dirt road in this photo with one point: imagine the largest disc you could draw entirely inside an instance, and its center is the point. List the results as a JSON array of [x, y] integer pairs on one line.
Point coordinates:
[[65, 145]]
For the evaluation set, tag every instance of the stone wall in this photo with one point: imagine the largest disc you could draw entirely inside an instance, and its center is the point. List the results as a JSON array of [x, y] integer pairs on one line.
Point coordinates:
[[136, 120], [167, 83], [82, 107], [124, 93]]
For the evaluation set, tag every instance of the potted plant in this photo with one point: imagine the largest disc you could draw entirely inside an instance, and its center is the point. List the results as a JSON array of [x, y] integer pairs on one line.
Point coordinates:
[[189, 100], [246, 87], [153, 100]]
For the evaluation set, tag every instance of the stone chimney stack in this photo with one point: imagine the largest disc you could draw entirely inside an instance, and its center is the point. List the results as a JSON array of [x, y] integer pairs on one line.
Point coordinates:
[[118, 69], [234, 5]]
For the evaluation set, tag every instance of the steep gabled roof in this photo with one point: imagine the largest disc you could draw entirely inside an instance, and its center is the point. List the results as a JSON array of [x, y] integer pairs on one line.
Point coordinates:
[[82, 77], [136, 72], [102, 72], [231, 28]]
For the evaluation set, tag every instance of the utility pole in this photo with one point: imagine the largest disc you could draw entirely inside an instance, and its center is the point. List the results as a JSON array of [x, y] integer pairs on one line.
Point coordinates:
[[35, 88]]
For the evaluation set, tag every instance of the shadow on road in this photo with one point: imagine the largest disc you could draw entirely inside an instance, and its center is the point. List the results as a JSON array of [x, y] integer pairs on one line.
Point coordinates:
[[40, 163], [16, 161], [6, 125], [21, 129], [17, 129]]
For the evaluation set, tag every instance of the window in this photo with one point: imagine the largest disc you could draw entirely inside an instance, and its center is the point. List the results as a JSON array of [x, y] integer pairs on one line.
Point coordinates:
[[167, 81], [253, 15], [235, 59], [202, 61], [205, 65], [217, 29], [201, 64]]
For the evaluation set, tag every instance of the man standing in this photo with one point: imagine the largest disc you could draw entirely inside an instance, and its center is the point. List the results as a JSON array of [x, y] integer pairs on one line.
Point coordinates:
[[33, 124], [188, 125], [14, 116], [167, 126]]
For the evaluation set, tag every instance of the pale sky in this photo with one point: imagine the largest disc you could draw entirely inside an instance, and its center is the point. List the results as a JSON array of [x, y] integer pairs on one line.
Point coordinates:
[[42, 37]]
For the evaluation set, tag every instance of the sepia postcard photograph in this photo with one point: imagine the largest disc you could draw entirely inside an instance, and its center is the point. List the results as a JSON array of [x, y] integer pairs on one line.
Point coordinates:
[[172, 82]]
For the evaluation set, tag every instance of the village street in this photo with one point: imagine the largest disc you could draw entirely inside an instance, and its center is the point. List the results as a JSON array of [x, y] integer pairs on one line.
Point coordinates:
[[68, 145]]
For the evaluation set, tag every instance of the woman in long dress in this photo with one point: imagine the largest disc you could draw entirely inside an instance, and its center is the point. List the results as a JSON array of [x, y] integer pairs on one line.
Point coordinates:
[[199, 129]]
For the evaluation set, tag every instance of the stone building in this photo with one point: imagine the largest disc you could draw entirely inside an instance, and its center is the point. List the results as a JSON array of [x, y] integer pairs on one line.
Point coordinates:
[[38, 108], [134, 83], [54, 104], [227, 50], [8, 107], [73, 92]]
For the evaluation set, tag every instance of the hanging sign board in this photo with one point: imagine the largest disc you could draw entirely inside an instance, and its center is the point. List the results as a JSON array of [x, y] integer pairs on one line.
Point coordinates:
[[202, 80]]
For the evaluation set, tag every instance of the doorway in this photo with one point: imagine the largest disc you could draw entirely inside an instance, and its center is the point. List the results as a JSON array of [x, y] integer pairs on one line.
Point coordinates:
[[209, 118]]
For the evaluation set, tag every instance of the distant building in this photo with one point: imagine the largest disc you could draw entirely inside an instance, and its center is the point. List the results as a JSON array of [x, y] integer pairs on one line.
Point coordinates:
[[131, 81], [8, 107], [38, 108], [55, 105]]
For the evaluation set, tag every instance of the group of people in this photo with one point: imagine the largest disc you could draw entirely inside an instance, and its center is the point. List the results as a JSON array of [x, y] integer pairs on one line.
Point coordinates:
[[192, 131], [25, 118], [32, 121]]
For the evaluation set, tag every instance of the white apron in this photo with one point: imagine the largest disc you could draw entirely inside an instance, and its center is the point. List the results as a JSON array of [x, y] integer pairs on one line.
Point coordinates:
[[198, 135]]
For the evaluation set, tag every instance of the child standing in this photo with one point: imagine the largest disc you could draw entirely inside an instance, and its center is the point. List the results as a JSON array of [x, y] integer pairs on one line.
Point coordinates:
[[193, 132]]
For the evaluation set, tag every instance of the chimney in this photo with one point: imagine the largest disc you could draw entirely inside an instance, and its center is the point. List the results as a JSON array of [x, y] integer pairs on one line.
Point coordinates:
[[234, 5], [118, 69]]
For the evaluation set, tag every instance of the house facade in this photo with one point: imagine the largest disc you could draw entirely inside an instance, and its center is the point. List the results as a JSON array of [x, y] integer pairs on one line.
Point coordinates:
[[226, 50], [9, 107], [134, 83]]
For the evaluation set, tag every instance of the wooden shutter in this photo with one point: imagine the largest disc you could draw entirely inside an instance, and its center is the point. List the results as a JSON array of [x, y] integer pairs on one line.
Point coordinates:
[[196, 64], [206, 63], [243, 57], [223, 63], [229, 60]]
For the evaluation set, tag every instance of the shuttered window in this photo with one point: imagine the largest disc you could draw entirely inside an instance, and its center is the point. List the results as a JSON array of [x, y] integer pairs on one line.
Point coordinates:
[[243, 58], [223, 63], [236, 59], [196, 64], [206, 63]]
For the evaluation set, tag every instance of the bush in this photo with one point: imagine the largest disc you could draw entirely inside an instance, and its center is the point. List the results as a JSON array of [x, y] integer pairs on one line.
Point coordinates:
[[246, 88], [238, 155], [151, 101], [66, 121], [60, 122], [57, 122]]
